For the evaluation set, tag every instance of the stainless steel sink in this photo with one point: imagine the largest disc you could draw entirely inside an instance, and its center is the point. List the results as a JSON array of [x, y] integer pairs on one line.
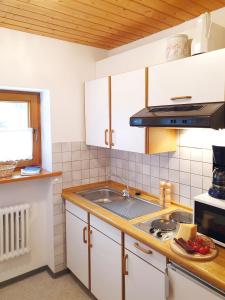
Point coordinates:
[[128, 208]]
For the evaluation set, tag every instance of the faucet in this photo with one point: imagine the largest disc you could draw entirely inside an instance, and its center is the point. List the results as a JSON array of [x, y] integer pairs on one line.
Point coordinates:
[[125, 192]]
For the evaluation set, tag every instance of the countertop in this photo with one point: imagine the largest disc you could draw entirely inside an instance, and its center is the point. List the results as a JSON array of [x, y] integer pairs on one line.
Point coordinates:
[[211, 271]]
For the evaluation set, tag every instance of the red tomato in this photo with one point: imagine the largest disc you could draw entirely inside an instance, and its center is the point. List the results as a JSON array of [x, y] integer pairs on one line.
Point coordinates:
[[196, 247], [204, 250]]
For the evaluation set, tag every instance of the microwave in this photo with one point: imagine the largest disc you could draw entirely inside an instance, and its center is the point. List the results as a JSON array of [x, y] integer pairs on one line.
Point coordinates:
[[209, 215]]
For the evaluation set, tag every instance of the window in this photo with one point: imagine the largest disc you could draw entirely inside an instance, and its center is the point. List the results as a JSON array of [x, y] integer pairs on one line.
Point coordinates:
[[20, 130]]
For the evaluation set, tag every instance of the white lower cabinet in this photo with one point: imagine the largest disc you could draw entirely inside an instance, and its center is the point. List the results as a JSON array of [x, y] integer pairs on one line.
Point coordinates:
[[145, 272], [106, 277], [143, 281], [77, 247]]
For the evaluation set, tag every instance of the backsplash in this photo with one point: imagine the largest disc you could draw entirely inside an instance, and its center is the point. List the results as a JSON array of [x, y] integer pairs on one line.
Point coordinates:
[[189, 169]]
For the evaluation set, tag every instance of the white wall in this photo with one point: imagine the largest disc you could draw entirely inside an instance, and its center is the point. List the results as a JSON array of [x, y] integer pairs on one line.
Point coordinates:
[[39, 195], [149, 50], [58, 70], [35, 62]]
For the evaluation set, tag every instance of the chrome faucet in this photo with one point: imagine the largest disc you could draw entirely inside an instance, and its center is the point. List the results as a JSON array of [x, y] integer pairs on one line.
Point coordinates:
[[125, 192]]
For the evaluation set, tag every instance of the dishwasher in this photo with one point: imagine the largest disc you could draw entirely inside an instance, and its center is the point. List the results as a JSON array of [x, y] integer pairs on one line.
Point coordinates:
[[184, 285]]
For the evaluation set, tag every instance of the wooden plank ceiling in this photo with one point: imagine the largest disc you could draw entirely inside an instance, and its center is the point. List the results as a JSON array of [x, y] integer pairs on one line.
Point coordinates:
[[100, 23]]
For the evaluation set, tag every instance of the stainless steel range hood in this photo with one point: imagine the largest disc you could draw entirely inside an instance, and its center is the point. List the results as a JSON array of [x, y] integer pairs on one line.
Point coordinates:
[[197, 115]]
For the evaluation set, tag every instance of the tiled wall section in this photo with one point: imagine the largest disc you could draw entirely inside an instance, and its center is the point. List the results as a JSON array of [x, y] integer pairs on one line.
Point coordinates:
[[189, 169], [80, 164]]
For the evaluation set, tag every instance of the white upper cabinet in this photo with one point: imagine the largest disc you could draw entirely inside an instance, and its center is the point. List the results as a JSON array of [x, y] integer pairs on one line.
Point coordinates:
[[97, 112], [127, 98], [196, 79]]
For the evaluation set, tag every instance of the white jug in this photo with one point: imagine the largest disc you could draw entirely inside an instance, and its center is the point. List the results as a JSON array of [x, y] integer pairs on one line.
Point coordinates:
[[202, 34]]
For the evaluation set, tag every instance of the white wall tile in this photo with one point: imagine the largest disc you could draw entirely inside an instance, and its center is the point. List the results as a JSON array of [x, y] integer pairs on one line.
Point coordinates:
[[196, 154], [146, 169], [185, 153], [185, 165], [196, 167], [75, 146], [56, 147], [164, 173], [207, 156], [76, 155], [185, 178], [207, 169], [196, 180], [154, 160], [207, 182], [76, 165], [164, 161], [155, 171], [174, 175], [195, 192], [174, 163], [185, 201], [185, 191], [57, 157], [66, 147]]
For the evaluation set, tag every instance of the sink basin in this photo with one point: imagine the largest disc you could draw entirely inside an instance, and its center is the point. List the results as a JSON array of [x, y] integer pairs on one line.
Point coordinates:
[[128, 208]]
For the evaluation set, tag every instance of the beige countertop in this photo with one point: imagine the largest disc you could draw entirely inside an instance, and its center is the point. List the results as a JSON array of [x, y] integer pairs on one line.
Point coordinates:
[[212, 271]]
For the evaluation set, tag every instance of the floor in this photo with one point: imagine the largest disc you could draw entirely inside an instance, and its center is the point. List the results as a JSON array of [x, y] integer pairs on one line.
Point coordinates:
[[42, 287]]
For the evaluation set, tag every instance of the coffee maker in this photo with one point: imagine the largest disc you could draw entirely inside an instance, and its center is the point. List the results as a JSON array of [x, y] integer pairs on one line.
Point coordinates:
[[218, 184]]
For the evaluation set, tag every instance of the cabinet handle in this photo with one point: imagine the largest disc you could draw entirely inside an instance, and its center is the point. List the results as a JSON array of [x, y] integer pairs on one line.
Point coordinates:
[[181, 97], [84, 235], [146, 251], [111, 138], [106, 140], [125, 272], [90, 244]]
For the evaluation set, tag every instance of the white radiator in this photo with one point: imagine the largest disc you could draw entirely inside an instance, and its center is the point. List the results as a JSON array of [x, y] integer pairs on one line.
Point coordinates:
[[14, 231]]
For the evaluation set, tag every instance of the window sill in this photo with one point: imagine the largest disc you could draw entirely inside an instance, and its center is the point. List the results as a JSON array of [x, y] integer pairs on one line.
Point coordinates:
[[17, 177]]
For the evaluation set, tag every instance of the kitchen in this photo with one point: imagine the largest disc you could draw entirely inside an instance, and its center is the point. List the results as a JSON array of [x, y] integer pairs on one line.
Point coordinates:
[[57, 70]]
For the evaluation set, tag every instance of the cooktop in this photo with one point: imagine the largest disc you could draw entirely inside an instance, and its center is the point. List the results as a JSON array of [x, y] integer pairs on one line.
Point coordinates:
[[165, 226]]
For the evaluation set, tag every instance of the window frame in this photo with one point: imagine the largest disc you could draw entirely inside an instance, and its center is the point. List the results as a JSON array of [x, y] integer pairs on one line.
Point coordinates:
[[34, 121]]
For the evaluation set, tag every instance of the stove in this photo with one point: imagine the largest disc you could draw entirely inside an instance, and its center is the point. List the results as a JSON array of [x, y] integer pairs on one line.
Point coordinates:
[[166, 226]]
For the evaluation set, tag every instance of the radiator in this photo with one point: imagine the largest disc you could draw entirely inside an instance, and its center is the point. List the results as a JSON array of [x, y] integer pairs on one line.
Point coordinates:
[[14, 231]]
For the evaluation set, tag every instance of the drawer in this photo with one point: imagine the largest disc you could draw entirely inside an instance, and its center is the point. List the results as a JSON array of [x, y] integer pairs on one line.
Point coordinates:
[[77, 211], [105, 228], [153, 257]]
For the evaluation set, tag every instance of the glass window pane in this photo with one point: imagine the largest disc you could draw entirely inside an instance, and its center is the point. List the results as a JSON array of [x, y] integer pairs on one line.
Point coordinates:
[[14, 115], [16, 144]]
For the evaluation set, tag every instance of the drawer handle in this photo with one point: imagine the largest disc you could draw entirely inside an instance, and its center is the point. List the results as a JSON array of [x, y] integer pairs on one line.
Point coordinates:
[[90, 244], [111, 138], [106, 140], [84, 235], [181, 97], [146, 251], [125, 272]]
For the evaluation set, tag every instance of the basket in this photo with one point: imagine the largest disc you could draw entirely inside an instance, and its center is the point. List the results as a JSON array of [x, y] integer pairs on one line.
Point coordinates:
[[7, 168]]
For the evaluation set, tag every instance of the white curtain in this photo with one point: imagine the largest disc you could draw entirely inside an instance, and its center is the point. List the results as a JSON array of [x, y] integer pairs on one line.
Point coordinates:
[[16, 144]]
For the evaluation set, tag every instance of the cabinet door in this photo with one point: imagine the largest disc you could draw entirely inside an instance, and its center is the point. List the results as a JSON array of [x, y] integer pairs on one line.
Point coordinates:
[[184, 287], [97, 112], [200, 77], [143, 281], [77, 247], [106, 278], [128, 97]]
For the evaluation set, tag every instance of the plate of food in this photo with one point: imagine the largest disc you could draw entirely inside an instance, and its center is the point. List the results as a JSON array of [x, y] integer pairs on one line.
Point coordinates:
[[190, 244]]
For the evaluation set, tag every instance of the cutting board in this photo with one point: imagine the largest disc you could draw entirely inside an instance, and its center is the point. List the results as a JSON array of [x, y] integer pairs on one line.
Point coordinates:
[[197, 256]]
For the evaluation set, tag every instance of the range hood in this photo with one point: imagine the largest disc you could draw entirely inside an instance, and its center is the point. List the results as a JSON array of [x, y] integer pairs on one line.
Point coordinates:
[[197, 115]]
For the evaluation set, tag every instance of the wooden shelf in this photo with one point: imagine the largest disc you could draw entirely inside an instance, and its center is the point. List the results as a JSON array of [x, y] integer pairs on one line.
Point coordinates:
[[17, 177]]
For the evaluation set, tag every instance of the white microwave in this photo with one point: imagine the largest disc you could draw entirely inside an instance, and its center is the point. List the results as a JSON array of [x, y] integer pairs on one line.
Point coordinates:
[[209, 215]]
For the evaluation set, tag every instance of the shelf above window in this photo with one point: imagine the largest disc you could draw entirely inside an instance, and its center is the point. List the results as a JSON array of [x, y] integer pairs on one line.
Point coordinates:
[[17, 177]]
